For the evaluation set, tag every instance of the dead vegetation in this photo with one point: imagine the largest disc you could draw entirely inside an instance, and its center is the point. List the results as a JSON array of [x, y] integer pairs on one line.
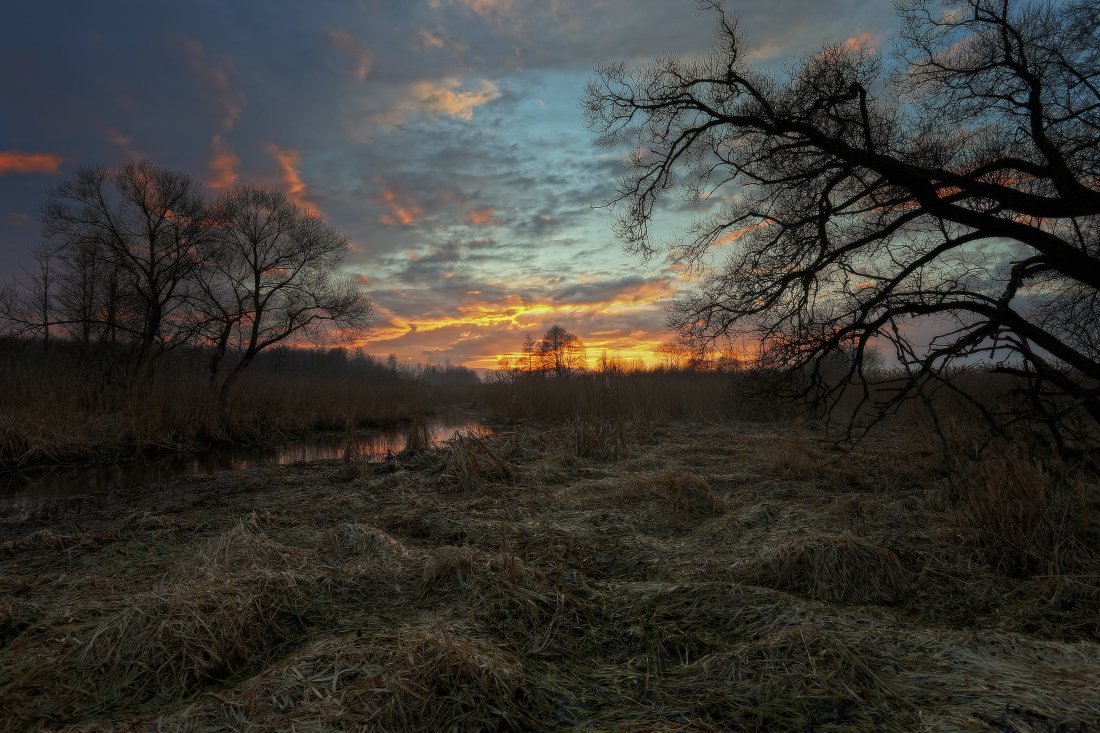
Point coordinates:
[[59, 415], [710, 581], [1027, 517], [471, 460], [840, 568]]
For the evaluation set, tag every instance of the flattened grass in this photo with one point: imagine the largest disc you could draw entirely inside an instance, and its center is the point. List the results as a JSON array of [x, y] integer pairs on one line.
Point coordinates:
[[508, 583]]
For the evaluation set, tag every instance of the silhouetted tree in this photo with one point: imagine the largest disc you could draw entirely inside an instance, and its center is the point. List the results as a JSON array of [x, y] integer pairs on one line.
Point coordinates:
[[146, 225], [956, 194], [270, 273], [27, 310], [559, 352]]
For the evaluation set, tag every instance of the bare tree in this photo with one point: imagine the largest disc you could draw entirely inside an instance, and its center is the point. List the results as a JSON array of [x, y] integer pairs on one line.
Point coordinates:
[[27, 306], [148, 225], [559, 352], [270, 273], [947, 204]]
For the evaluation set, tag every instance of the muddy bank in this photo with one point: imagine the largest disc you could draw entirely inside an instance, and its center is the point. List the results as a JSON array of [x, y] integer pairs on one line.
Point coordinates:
[[690, 577]]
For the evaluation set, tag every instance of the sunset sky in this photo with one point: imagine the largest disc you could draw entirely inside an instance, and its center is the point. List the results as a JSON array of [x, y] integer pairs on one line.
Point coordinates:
[[443, 136]]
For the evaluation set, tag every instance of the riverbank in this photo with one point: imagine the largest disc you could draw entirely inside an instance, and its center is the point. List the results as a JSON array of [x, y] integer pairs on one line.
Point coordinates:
[[676, 576], [30, 486], [65, 425]]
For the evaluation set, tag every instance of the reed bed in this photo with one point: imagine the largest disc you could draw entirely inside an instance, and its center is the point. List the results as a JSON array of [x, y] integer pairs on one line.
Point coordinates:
[[641, 396], [58, 416], [507, 582]]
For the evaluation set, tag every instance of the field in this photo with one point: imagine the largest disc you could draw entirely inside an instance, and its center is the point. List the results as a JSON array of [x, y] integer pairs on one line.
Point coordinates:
[[656, 574]]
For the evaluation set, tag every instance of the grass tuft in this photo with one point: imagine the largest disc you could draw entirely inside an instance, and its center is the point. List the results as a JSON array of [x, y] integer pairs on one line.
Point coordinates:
[[471, 460], [1027, 518], [840, 568]]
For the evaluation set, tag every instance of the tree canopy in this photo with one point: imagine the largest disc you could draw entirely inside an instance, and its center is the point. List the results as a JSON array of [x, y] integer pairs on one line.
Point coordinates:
[[945, 201], [138, 260]]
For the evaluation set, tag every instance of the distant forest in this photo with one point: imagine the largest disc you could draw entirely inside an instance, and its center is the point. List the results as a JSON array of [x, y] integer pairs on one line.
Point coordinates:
[[353, 362]]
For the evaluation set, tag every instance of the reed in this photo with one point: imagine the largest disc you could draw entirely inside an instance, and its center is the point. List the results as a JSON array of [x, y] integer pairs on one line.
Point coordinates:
[[59, 416]]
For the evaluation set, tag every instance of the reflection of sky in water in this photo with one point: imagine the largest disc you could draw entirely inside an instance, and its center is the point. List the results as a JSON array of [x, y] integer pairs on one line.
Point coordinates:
[[28, 487]]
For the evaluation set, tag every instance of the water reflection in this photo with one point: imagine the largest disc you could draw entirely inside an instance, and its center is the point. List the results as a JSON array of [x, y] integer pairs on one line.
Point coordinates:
[[30, 487]]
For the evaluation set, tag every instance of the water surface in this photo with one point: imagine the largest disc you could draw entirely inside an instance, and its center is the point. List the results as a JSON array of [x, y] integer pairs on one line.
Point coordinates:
[[28, 487]]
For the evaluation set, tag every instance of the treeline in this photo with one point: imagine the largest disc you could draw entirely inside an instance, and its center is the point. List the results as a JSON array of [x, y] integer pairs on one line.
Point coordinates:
[[559, 354], [355, 362], [22, 354], [138, 262]]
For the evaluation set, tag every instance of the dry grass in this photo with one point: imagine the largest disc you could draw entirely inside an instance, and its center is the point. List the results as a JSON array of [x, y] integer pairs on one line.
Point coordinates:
[[595, 438], [670, 496], [840, 568], [1026, 517], [57, 416], [695, 584], [427, 677], [634, 397], [351, 539], [797, 459], [470, 461], [418, 437]]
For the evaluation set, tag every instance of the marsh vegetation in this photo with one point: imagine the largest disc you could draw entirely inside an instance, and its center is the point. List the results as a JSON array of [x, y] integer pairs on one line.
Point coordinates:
[[616, 573]]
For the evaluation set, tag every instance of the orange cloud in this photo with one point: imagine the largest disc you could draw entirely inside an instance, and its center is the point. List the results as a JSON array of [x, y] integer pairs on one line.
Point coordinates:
[[403, 208], [223, 165], [288, 160], [448, 97], [864, 39], [359, 53], [732, 236], [516, 314], [481, 218], [623, 318], [14, 161]]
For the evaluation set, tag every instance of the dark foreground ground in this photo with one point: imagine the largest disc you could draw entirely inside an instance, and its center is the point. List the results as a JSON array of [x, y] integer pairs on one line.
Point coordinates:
[[694, 577]]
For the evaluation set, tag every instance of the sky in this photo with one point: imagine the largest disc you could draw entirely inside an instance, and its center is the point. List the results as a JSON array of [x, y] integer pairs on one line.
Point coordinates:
[[444, 137]]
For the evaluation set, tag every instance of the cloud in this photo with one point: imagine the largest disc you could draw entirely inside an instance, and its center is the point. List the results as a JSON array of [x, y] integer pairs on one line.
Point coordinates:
[[866, 39], [472, 174], [216, 82], [475, 322], [481, 218], [360, 55], [490, 7], [448, 97], [402, 208], [623, 292], [223, 165], [430, 40], [14, 161], [296, 190], [119, 139]]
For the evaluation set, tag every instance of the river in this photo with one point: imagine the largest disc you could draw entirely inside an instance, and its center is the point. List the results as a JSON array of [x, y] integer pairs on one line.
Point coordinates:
[[29, 487]]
